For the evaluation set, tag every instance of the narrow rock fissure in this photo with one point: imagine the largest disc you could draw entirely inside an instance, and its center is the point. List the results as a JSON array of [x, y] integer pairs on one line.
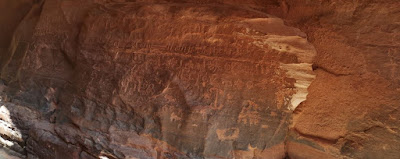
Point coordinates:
[[317, 67]]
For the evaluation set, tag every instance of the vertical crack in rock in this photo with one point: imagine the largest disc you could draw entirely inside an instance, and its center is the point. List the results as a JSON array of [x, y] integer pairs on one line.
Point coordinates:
[[301, 71], [303, 74], [293, 42]]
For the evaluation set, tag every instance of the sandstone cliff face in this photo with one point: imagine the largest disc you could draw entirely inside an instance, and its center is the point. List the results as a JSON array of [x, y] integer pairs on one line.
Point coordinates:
[[200, 79]]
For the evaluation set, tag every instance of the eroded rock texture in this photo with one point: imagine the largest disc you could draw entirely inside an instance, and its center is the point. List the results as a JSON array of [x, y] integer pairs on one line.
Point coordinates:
[[352, 108], [200, 79]]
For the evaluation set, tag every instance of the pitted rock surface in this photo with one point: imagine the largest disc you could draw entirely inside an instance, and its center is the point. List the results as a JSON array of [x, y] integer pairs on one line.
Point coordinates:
[[199, 79]]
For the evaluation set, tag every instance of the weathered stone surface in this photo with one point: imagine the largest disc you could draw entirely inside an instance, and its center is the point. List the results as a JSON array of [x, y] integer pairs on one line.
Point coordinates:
[[352, 106], [200, 79]]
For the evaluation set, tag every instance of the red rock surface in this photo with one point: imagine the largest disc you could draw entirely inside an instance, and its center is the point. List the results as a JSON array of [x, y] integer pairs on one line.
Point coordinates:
[[200, 79]]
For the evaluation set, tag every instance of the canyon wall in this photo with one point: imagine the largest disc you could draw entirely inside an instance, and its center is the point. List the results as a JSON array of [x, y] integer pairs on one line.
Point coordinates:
[[200, 79]]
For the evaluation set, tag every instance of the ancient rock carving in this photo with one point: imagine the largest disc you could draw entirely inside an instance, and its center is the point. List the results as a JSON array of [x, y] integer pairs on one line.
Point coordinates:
[[199, 78]]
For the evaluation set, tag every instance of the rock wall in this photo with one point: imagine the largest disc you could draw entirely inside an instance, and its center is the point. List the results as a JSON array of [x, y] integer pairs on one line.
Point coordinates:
[[200, 79], [352, 108]]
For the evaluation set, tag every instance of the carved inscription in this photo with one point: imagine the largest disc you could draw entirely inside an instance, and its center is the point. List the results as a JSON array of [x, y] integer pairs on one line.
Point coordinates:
[[250, 113], [195, 84], [228, 134], [208, 63]]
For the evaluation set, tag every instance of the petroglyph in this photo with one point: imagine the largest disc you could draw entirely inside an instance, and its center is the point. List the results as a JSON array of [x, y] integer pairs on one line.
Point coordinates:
[[182, 75], [228, 134], [174, 117], [249, 113]]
